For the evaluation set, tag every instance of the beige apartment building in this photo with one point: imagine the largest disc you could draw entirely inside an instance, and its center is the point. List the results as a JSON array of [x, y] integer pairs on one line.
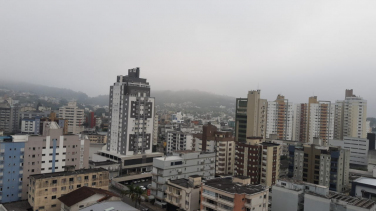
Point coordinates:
[[184, 193], [236, 193], [45, 189], [75, 117], [251, 115]]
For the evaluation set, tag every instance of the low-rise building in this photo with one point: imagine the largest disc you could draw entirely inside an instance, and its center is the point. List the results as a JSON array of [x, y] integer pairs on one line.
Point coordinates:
[[110, 206], [183, 194], [364, 187], [358, 147], [295, 195], [45, 189], [84, 197], [234, 193], [181, 164]]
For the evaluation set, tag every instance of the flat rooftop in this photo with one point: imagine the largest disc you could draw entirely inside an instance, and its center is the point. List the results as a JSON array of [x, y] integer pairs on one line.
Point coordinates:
[[350, 200], [226, 185], [18, 206], [67, 173], [367, 181], [181, 182], [269, 144], [102, 163], [116, 205]]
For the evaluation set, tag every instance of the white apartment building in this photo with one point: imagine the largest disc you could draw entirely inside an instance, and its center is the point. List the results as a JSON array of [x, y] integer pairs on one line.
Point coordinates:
[[295, 195], [29, 126], [75, 117], [181, 164], [358, 147], [354, 117], [280, 118], [177, 140], [184, 193]]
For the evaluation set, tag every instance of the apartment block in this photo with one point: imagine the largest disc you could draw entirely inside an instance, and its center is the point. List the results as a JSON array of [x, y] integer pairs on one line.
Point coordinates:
[[9, 117], [354, 116], [295, 195], [250, 119], [358, 147], [322, 165], [23, 155], [75, 117], [300, 122], [45, 189], [233, 193], [183, 194], [181, 164], [34, 125], [132, 113], [280, 118], [260, 161], [155, 133], [177, 140]]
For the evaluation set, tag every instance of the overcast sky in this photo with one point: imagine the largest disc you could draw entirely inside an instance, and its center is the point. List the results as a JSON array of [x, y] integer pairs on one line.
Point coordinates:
[[294, 48]]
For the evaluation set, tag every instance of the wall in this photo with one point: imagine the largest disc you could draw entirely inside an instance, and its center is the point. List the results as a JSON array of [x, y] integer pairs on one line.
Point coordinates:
[[284, 199], [314, 203]]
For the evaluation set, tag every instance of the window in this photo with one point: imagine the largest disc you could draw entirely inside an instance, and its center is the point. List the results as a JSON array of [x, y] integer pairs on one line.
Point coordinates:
[[63, 188], [54, 205], [78, 186], [54, 181], [81, 206], [53, 197], [93, 184]]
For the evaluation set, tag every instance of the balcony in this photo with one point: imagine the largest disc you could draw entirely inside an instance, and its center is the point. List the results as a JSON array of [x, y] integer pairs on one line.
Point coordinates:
[[207, 204], [209, 196], [222, 201]]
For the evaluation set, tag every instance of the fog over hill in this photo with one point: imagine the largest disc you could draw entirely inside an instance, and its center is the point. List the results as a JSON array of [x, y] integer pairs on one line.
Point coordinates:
[[195, 97]]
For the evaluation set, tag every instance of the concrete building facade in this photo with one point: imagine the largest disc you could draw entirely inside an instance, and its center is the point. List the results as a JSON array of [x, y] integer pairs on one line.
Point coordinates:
[[250, 119], [23, 155], [321, 165], [280, 118], [45, 189], [75, 117], [132, 113], [260, 161], [235, 194], [183, 194], [181, 164]]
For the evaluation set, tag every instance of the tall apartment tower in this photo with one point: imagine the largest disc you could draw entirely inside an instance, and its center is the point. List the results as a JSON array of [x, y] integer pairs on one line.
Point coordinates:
[[352, 117], [75, 117], [250, 116], [130, 130], [300, 122], [280, 118]]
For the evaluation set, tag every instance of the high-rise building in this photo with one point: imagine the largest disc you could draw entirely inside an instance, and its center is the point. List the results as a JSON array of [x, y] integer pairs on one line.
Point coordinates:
[[91, 120], [155, 133], [9, 117], [300, 122], [314, 119], [233, 194], [280, 118], [177, 140], [250, 116], [353, 119], [23, 155], [75, 117], [131, 115], [321, 165], [260, 161]]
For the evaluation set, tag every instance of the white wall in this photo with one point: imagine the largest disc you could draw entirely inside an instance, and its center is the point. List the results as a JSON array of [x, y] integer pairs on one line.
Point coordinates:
[[284, 199]]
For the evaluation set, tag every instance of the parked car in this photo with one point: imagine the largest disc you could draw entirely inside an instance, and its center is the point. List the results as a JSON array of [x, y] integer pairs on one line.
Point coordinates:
[[142, 187]]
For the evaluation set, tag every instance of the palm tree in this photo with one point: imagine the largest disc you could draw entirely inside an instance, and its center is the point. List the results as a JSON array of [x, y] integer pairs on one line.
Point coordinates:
[[136, 194]]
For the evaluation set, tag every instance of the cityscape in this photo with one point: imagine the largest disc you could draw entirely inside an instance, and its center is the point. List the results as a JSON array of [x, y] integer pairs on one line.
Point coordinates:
[[187, 106]]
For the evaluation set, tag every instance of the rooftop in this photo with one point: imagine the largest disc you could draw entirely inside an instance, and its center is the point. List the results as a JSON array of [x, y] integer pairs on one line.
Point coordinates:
[[226, 184], [349, 200], [83, 193], [181, 182], [269, 144], [102, 163], [367, 181], [114, 205], [67, 173], [18, 206]]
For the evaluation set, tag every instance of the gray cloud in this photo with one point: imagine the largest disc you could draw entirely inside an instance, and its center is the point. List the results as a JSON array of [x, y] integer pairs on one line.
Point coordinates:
[[295, 48]]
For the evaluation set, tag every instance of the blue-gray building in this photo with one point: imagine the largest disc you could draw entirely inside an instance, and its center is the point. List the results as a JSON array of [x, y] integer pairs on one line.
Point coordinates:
[[11, 169]]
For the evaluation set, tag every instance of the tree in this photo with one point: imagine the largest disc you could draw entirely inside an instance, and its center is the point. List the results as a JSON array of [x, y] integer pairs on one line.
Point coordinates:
[[136, 194]]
